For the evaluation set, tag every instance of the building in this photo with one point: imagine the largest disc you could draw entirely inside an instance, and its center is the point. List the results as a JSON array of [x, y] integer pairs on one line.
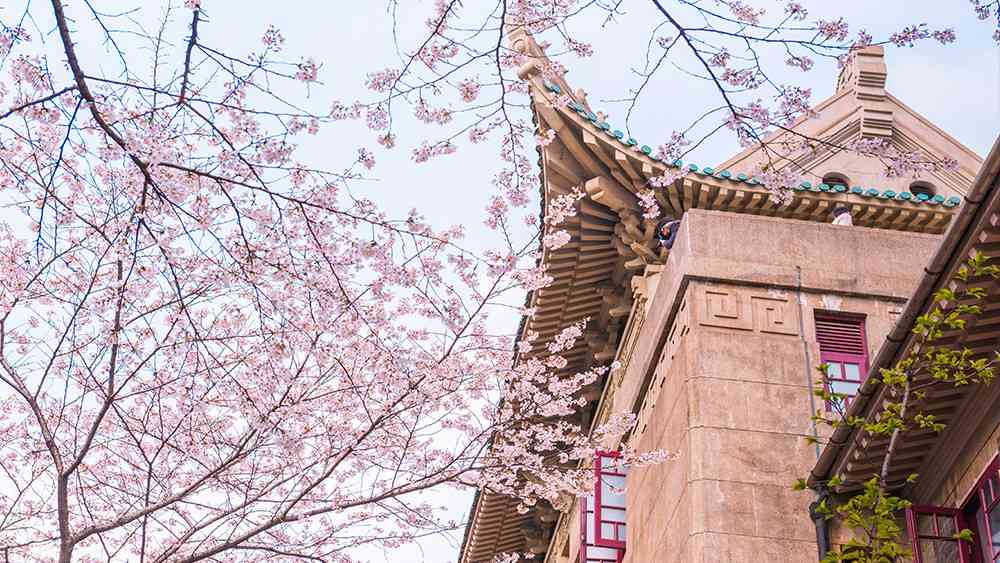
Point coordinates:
[[719, 335]]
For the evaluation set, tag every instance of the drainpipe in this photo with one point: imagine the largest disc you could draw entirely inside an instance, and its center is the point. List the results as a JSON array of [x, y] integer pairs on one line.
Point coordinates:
[[821, 524], [819, 520]]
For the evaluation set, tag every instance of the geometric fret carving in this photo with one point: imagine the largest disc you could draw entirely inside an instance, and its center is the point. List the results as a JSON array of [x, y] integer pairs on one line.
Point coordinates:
[[726, 309], [774, 315], [745, 309]]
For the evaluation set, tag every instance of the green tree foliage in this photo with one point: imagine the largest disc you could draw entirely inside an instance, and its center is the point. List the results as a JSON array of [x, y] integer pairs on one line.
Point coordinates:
[[873, 514]]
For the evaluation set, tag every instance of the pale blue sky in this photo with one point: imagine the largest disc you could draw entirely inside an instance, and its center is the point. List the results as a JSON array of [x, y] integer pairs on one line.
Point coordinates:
[[955, 86]]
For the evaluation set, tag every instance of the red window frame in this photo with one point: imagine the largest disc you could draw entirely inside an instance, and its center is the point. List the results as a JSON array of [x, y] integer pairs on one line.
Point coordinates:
[[589, 551], [842, 339], [609, 508], [596, 546], [987, 494], [938, 514]]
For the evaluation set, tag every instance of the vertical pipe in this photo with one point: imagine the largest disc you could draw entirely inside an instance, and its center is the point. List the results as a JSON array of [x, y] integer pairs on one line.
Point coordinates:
[[819, 520]]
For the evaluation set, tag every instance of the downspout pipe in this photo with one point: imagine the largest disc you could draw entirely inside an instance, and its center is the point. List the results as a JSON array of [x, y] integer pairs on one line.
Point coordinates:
[[821, 523]]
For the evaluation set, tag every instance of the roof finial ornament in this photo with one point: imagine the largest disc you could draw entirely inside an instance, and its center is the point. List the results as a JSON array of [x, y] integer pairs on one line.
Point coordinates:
[[524, 44], [865, 69], [864, 74], [536, 66]]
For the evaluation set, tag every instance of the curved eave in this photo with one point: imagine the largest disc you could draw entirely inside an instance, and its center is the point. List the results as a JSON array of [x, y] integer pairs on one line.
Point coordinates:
[[853, 455], [610, 242]]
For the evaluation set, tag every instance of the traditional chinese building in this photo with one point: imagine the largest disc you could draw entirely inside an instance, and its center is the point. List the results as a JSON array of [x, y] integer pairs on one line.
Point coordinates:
[[718, 337]]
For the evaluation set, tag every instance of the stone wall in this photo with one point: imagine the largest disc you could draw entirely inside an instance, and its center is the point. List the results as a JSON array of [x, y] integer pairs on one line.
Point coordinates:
[[721, 375]]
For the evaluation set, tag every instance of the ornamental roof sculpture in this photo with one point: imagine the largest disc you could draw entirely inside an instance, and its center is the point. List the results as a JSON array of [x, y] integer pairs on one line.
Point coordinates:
[[613, 242]]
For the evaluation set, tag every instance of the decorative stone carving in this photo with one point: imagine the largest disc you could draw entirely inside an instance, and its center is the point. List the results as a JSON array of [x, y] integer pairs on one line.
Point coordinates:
[[747, 309], [726, 308], [774, 315]]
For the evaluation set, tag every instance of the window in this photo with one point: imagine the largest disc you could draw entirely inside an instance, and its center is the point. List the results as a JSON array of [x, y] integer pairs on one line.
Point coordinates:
[[835, 179], [602, 515], [932, 531], [982, 514], [842, 347], [923, 190]]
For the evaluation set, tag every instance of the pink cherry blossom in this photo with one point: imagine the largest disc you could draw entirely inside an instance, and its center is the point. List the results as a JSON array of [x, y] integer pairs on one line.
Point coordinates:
[[650, 207], [382, 80], [273, 39], [469, 89], [366, 158], [426, 151], [308, 71], [210, 336], [796, 10], [835, 30], [546, 138]]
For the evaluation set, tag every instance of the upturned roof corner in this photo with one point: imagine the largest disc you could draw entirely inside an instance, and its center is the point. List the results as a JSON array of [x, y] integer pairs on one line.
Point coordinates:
[[538, 67]]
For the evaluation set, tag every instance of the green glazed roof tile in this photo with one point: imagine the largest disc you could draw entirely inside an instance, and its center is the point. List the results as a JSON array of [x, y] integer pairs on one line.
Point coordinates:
[[742, 177]]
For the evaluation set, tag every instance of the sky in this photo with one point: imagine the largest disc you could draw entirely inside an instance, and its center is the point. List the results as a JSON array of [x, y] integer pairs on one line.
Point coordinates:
[[954, 86]]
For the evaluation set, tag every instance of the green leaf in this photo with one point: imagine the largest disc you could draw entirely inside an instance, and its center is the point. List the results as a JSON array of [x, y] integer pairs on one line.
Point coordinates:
[[964, 535]]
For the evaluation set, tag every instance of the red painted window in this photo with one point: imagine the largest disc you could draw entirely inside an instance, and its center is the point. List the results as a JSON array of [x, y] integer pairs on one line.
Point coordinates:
[[602, 515], [844, 350], [932, 530], [982, 513]]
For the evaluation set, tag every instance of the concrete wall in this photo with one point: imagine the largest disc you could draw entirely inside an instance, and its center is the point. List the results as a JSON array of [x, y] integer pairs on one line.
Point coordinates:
[[720, 375]]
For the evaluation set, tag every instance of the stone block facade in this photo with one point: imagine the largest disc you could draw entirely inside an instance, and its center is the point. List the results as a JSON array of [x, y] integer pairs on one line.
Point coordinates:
[[728, 341]]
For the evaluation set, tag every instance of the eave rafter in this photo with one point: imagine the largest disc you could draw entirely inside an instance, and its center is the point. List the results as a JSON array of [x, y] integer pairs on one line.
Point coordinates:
[[612, 242], [953, 406]]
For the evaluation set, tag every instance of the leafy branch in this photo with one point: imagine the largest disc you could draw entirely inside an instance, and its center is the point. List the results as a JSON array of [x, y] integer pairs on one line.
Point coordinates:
[[932, 362]]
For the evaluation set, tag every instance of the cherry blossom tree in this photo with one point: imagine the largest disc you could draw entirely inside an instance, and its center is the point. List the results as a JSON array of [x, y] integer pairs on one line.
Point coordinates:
[[212, 350]]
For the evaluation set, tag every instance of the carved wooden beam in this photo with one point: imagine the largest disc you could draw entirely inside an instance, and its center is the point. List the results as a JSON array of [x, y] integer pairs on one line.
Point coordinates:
[[610, 193]]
